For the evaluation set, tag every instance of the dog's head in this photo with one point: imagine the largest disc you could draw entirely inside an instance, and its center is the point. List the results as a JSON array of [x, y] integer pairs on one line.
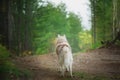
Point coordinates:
[[61, 39]]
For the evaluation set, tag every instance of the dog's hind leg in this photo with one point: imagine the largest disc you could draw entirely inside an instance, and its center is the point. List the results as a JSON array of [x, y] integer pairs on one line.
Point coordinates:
[[67, 68], [63, 70], [70, 70]]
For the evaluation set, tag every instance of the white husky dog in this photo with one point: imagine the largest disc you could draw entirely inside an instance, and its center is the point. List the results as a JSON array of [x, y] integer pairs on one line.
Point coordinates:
[[64, 53]]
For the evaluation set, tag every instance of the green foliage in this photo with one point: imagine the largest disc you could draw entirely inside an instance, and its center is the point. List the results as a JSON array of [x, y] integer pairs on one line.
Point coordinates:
[[101, 20], [33, 24], [36, 23], [96, 45], [85, 40], [100, 78], [4, 54], [21, 25], [86, 76], [75, 27], [8, 70], [50, 21]]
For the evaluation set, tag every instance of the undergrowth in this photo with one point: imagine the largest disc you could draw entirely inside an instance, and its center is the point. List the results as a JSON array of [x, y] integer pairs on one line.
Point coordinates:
[[85, 76], [8, 70]]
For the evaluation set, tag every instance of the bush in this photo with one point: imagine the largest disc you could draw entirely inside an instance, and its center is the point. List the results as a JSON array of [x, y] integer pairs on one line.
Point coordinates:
[[8, 70], [4, 54]]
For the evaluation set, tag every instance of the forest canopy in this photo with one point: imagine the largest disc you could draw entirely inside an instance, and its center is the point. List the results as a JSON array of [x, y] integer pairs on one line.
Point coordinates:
[[32, 25], [105, 22]]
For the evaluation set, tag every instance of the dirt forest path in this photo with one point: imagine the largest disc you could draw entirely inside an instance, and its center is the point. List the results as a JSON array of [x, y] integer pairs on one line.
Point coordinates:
[[100, 61]]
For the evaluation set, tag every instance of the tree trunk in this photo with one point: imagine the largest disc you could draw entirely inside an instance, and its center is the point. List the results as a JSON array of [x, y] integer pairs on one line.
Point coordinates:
[[93, 21], [4, 22], [114, 17]]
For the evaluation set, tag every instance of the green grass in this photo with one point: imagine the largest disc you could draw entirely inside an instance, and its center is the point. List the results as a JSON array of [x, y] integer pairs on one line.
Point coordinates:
[[8, 70], [85, 76]]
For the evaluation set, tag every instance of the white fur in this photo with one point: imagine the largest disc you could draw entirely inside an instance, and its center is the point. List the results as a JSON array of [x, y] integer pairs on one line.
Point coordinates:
[[64, 55]]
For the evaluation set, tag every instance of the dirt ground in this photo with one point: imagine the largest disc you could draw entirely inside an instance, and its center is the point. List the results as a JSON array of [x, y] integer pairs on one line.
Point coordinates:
[[104, 61]]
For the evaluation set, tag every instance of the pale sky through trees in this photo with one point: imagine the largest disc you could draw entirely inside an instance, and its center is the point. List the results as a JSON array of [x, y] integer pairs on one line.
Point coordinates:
[[79, 7]]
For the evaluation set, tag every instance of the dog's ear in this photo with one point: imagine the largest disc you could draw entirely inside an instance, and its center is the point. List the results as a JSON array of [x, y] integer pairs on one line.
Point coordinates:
[[64, 36], [58, 35]]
